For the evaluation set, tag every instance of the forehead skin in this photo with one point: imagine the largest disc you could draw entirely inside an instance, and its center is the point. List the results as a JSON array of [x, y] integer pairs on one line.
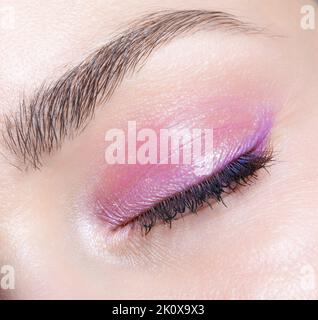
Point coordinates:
[[278, 256]]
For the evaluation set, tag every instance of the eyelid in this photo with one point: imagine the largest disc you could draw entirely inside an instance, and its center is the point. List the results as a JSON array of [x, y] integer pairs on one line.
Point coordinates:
[[240, 172], [134, 189], [119, 192]]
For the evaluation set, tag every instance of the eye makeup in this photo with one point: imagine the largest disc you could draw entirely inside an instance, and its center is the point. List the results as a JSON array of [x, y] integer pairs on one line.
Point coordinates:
[[240, 172], [144, 194]]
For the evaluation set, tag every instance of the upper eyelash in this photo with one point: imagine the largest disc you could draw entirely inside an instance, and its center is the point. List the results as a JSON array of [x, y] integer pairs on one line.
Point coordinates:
[[240, 172]]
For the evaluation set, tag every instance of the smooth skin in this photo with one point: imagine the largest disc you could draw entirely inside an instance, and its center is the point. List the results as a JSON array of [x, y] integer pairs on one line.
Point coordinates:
[[263, 246]]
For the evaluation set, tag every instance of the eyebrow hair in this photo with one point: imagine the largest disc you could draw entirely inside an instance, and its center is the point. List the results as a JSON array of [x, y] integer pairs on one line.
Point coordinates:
[[63, 108]]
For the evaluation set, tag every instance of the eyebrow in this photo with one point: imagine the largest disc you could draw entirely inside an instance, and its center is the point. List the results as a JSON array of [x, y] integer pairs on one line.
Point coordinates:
[[63, 108]]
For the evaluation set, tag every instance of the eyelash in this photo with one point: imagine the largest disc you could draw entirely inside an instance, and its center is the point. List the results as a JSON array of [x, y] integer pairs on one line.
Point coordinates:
[[240, 172]]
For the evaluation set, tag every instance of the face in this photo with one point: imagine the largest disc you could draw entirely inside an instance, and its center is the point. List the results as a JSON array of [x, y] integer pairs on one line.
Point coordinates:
[[92, 204]]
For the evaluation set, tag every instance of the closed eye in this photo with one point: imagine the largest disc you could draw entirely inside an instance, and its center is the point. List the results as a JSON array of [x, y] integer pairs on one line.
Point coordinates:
[[240, 172]]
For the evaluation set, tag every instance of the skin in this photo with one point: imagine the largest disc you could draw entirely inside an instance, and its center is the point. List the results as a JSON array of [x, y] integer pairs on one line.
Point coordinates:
[[263, 246]]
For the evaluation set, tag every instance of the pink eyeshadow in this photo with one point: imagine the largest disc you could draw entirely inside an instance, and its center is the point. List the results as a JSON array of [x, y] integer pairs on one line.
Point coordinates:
[[123, 191]]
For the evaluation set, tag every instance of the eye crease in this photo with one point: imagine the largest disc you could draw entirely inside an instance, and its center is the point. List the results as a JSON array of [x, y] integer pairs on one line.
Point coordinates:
[[239, 173]]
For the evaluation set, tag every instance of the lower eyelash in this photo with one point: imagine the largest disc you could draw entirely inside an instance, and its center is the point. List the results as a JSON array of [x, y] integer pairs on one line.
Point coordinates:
[[240, 172]]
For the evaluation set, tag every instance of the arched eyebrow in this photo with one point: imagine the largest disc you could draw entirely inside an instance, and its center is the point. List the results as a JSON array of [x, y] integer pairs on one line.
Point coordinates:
[[63, 108]]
